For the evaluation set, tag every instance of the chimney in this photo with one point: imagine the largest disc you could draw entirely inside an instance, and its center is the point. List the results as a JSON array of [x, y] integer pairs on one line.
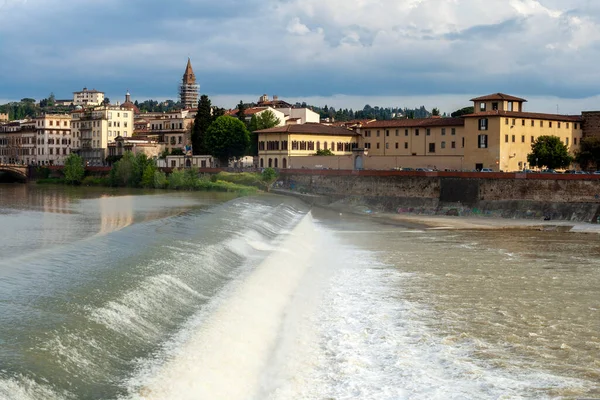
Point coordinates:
[[275, 98]]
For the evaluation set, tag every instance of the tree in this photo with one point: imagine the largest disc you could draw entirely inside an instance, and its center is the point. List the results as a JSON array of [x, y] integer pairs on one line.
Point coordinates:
[[202, 121], [106, 101], [263, 120], [324, 152], [549, 151], [227, 138], [241, 114], [589, 153], [51, 100], [435, 112], [74, 169], [463, 111]]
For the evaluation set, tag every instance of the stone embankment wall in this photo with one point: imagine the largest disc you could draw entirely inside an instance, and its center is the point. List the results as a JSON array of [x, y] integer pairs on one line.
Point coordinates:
[[571, 197]]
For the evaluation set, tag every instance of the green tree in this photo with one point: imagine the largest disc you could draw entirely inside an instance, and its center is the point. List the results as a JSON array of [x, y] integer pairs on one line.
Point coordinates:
[[227, 138], [589, 153], [268, 177], [148, 175], [130, 169], [435, 112], [463, 111], [106, 101], [202, 121], [549, 151], [74, 169], [263, 120], [241, 112], [324, 152]]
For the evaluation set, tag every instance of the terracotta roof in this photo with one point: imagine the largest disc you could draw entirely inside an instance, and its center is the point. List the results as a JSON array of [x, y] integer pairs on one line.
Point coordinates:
[[523, 114], [247, 112], [498, 96], [130, 106], [310, 128], [416, 123]]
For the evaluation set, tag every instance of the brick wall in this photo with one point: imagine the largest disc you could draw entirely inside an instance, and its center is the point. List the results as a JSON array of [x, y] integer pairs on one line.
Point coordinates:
[[591, 123]]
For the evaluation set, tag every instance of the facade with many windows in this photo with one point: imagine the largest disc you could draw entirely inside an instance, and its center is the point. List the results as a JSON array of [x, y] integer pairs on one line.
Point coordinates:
[[93, 129], [88, 98], [277, 145], [499, 134], [53, 139]]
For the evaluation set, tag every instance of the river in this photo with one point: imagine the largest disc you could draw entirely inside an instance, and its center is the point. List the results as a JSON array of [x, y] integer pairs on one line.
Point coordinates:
[[113, 294]]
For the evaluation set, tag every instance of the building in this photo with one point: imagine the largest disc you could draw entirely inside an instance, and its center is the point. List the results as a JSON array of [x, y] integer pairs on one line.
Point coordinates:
[[18, 143], [173, 129], [285, 115], [128, 104], [277, 145], [264, 101], [188, 90], [499, 133], [120, 145], [94, 128], [3, 117], [88, 98], [53, 138], [186, 162]]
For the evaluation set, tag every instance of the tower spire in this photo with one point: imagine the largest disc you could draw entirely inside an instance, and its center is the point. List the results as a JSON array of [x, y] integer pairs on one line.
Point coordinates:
[[188, 90]]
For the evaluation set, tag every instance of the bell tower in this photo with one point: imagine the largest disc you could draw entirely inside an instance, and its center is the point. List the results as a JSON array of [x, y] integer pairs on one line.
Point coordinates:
[[188, 90]]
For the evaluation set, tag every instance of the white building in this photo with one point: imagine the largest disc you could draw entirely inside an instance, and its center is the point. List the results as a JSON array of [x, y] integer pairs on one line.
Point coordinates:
[[86, 98], [93, 129], [53, 138]]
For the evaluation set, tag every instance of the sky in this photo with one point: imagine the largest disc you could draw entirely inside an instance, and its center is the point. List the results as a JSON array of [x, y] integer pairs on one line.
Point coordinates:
[[344, 53]]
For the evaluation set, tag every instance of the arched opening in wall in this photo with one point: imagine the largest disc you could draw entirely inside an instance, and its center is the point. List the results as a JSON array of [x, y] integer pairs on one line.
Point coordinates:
[[325, 146], [262, 163], [270, 163], [284, 163], [358, 162], [318, 146], [275, 163], [188, 163]]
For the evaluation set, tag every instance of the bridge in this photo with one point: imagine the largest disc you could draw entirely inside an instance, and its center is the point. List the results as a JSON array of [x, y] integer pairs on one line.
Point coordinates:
[[17, 172]]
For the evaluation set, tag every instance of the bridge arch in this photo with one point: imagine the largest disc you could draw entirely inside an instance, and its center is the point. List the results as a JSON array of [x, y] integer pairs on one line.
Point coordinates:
[[13, 173]]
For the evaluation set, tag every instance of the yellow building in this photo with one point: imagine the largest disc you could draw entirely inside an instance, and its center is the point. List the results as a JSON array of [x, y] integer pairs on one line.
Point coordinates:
[[414, 137], [92, 130], [277, 145], [499, 133]]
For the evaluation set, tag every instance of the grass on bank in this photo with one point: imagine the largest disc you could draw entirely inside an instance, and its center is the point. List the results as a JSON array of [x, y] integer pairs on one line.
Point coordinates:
[[141, 172]]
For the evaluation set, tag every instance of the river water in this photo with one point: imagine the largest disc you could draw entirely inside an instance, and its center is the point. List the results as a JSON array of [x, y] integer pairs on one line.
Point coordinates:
[[169, 295]]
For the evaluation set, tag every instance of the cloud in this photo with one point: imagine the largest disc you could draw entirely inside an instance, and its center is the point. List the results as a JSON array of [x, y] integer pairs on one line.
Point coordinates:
[[301, 48]]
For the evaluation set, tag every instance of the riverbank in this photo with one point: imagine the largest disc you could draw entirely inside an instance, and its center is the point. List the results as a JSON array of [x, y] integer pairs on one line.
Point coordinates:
[[444, 222]]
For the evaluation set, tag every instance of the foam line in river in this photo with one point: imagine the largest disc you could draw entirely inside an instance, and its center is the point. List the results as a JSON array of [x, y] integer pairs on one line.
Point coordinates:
[[225, 357]]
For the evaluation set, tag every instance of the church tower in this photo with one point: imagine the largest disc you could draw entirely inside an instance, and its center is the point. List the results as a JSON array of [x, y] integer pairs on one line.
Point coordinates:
[[188, 90]]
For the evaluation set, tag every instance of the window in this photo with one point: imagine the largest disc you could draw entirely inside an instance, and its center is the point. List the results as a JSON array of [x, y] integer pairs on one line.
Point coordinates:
[[550, 124], [397, 132], [506, 121], [377, 144], [406, 132], [387, 145], [494, 106], [416, 132], [396, 144], [510, 106], [522, 138], [575, 141], [522, 122], [532, 139], [125, 115], [428, 132], [453, 145], [387, 132], [367, 145], [567, 125], [443, 131], [482, 106], [505, 138], [482, 141], [443, 145], [567, 141], [514, 121], [559, 125], [406, 145], [463, 142], [453, 131], [377, 132], [513, 138], [541, 124], [532, 123], [575, 126], [178, 138], [432, 147]]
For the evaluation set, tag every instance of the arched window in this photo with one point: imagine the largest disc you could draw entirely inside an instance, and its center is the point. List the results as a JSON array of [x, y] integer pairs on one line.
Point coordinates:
[[270, 162], [275, 163], [325, 145], [262, 163], [318, 145], [284, 163]]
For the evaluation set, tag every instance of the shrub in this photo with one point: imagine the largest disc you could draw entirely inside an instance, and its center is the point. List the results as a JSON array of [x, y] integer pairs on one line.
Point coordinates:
[[177, 179], [160, 180]]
